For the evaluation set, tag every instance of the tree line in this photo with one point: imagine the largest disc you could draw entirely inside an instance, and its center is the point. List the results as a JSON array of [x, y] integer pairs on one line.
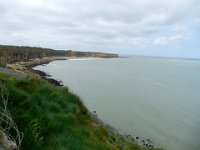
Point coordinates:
[[11, 54]]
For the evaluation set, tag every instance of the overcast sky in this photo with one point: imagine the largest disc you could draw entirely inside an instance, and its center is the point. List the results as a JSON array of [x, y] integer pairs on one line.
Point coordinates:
[[141, 27]]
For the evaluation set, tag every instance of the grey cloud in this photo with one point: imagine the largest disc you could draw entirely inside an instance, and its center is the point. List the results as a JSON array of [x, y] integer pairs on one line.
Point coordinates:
[[93, 23]]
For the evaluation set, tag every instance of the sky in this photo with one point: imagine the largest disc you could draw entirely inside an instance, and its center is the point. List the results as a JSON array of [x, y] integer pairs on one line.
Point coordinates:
[[135, 27]]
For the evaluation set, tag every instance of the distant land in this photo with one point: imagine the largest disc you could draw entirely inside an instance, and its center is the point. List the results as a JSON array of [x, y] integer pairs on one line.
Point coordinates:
[[9, 53]]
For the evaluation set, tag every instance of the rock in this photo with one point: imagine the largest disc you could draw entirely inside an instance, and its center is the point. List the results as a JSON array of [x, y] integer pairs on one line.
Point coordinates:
[[143, 141], [6, 142]]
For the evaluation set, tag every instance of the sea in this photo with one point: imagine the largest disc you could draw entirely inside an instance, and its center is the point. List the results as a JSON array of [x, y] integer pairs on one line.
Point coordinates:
[[150, 97]]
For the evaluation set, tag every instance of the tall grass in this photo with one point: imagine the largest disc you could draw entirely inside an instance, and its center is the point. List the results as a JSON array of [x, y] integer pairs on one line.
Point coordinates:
[[52, 118], [9, 128]]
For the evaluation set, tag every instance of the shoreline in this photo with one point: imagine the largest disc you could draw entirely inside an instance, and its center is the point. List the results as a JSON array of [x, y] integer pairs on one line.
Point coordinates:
[[43, 74], [27, 67], [111, 130]]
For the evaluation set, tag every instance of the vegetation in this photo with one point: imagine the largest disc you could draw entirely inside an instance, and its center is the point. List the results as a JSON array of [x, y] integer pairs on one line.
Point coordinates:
[[12, 54], [52, 118], [23, 53], [90, 54]]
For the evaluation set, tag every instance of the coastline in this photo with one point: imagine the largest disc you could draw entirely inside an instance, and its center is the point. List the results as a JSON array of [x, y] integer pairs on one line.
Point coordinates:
[[97, 122], [21, 70], [27, 68]]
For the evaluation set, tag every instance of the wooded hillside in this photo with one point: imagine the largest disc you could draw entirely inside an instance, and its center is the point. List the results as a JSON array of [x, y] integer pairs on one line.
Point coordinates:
[[20, 53], [10, 54]]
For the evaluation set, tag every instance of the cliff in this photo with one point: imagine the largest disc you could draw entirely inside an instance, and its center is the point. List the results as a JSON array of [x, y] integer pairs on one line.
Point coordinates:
[[90, 54], [12, 54]]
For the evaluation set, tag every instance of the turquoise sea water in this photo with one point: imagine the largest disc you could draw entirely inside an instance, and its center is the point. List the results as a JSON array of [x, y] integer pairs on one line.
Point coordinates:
[[154, 98]]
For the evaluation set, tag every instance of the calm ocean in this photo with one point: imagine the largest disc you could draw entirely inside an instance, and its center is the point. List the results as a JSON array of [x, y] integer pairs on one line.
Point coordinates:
[[149, 97]]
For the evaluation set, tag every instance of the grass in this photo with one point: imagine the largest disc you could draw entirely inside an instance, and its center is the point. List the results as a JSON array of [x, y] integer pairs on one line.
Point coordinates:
[[52, 118], [2, 64]]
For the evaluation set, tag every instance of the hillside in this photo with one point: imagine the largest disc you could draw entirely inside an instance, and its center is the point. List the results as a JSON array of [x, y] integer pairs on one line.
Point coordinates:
[[12, 54]]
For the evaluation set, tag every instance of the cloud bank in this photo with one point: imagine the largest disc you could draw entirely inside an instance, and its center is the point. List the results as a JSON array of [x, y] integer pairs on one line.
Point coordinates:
[[148, 27]]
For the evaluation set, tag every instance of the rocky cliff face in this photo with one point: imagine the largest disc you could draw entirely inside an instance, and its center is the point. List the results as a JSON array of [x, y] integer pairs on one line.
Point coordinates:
[[90, 54]]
